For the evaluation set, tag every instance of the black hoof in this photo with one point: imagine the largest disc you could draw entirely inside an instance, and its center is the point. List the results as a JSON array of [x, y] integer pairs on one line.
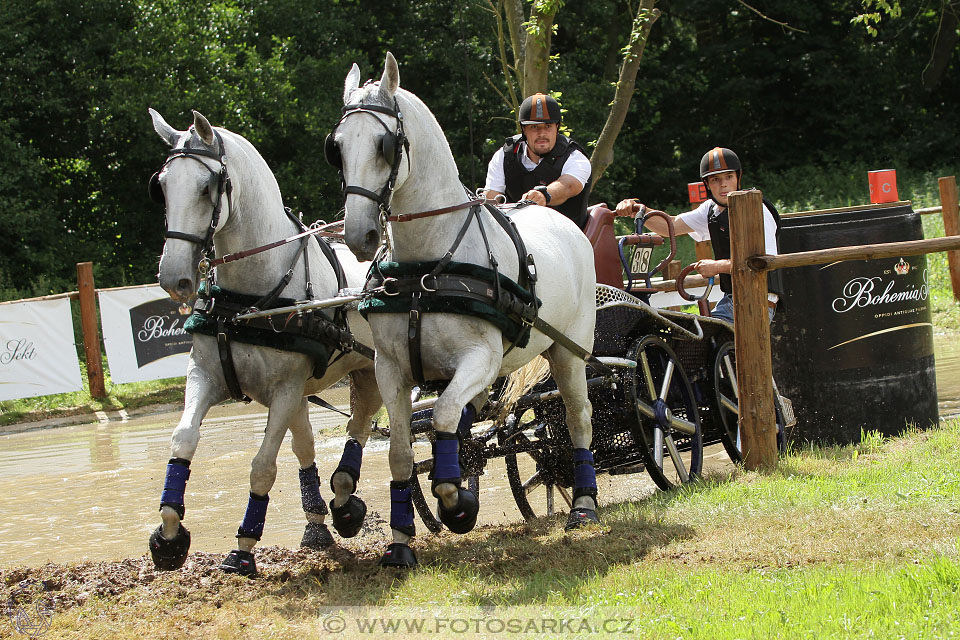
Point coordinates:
[[169, 555], [399, 556], [348, 518], [316, 536], [580, 517], [463, 517], [239, 562]]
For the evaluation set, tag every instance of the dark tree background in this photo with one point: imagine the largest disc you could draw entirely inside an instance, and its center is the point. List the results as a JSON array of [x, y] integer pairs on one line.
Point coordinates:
[[77, 77]]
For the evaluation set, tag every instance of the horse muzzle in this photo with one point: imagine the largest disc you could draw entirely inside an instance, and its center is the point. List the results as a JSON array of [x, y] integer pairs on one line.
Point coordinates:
[[363, 242]]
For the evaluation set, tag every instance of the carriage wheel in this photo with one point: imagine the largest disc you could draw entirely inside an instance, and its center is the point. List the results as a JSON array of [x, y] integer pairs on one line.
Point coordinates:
[[536, 480], [668, 424], [423, 505], [726, 395]]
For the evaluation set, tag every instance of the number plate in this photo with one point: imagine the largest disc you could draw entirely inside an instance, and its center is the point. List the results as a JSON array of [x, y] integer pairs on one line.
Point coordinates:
[[640, 263]]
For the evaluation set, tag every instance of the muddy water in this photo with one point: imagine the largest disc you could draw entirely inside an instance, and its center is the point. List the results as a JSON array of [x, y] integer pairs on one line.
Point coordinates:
[[90, 492]]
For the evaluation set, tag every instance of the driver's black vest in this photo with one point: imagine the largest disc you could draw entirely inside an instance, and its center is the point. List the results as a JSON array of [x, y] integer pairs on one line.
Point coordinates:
[[718, 222], [519, 180]]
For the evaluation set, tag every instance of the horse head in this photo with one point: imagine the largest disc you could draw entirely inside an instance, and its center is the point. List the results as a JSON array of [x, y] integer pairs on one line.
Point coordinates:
[[193, 187], [368, 145]]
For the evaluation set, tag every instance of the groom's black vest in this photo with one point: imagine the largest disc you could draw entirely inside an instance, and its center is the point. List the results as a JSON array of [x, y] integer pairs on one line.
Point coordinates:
[[519, 180], [718, 222]]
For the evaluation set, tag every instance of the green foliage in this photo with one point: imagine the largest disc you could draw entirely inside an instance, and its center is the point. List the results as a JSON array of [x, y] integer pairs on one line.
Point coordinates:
[[76, 144]]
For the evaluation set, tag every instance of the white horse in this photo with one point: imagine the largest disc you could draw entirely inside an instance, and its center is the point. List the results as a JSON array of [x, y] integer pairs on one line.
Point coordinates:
[[221, 196], [395, 160]]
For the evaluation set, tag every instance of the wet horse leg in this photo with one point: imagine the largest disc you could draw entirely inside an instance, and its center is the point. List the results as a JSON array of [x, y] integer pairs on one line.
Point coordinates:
[[263, 473], [170, 542], [396, 397], [315, 535], [569, 372], [454, 412], [348, 510]]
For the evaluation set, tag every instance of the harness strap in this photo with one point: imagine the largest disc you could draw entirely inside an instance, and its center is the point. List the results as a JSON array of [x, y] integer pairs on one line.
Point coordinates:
[[406, 217], [413, 340], [226, 363]]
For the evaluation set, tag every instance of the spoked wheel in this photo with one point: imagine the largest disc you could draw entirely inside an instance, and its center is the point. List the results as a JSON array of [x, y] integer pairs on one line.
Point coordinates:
[[726, 396], [541, 473], [668, 425]]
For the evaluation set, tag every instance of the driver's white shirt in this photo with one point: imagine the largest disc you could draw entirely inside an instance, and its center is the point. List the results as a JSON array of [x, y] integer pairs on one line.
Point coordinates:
[[577, 165]]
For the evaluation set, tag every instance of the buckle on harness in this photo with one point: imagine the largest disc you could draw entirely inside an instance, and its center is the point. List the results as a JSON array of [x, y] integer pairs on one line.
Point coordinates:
[[423, 283], [386, 290], [204, 305]]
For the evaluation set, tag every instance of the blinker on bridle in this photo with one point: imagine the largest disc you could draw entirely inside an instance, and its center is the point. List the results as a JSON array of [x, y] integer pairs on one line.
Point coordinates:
[[392, 145], [219, 182]]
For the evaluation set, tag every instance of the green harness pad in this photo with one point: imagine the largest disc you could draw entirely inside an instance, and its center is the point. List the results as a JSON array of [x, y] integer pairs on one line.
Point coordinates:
[[206, 324], [513, 331]]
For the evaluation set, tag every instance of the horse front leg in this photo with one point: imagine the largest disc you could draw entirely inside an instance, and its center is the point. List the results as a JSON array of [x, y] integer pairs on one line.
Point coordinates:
[[170, 542], [263, 474], [349, 510], [569, 372], [453, 415], [396, 398]]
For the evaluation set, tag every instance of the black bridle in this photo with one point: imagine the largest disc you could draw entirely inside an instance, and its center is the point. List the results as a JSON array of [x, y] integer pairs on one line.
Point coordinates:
[[392, 145], [219, 180]]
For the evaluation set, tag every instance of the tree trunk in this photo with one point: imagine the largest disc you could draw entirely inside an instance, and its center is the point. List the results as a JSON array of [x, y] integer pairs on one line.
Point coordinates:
[[943, 48], [518, 39], [602, 156], [536, 64]]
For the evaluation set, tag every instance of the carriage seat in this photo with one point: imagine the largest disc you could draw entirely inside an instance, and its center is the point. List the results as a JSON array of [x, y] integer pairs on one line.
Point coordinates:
[[606, 256]]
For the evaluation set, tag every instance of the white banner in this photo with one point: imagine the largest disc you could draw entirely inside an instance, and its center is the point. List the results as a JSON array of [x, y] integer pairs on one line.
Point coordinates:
[[38, 354], [143, 334]]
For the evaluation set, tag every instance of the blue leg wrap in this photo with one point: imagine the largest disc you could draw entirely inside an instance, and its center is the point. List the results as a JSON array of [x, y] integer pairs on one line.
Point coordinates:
[[401, 507], [350, 462], [467, 416], [584, 474], [254, 518], [310, 491], [352, 456], [446, 460], [175, 484]]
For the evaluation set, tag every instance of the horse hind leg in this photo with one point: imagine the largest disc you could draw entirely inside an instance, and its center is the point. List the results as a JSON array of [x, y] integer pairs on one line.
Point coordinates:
[[569, 372], [316, 535], [349, 511], [263, 474]]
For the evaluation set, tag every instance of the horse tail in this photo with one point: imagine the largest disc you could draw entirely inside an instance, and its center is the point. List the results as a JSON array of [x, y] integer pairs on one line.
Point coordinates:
[[519, 383]]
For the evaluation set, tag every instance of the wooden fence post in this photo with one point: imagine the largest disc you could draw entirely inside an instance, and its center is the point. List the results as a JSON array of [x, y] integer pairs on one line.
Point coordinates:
[[951, 227], [758, 421], [88, 324]]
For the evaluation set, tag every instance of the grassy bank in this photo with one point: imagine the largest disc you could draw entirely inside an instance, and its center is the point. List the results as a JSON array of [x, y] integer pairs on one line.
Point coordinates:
[[842, 542]]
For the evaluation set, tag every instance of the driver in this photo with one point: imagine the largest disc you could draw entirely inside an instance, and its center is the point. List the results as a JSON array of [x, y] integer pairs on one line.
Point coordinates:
[[721, 172], [540, 164]]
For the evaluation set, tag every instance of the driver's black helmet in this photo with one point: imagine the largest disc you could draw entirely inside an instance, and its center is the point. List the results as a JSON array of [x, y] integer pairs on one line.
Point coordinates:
[[719, 160], [539, 108]]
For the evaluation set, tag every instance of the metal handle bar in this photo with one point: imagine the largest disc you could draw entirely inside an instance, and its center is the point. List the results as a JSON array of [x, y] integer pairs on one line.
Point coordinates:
[[702, 304]]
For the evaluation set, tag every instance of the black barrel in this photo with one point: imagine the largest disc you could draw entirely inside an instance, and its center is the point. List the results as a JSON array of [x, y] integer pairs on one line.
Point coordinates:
[[853, 341]]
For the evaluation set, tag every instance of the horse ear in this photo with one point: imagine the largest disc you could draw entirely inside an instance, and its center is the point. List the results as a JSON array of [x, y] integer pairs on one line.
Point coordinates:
[[390, 81], [203, 128], [352, 83], [168, 133]]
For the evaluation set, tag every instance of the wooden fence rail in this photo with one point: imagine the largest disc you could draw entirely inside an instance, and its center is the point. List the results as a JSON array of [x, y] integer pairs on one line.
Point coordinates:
[[751, 328]]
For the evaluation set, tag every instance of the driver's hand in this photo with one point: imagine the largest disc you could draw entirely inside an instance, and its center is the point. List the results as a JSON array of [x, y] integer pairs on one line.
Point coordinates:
[[628, 207], [707, 268], [536, 197]]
